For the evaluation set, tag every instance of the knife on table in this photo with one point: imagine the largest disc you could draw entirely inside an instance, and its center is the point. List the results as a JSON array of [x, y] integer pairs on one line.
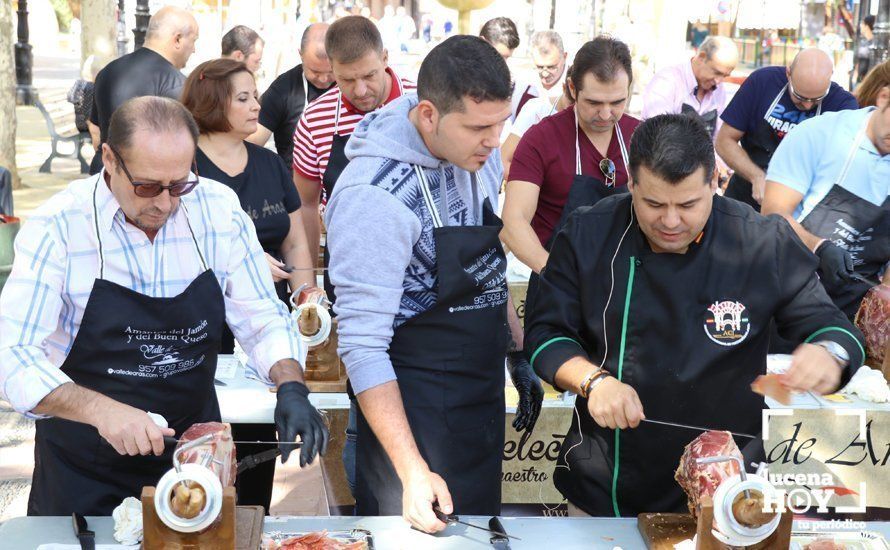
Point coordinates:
[[452, 519], [86, 537], [497, 541]]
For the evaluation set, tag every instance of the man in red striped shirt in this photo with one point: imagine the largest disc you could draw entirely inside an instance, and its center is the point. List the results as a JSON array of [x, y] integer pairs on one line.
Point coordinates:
[[364, 83]]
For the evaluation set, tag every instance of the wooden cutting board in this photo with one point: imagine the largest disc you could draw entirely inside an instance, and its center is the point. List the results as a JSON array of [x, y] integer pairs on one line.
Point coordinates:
[[663, 531], [249, 527]]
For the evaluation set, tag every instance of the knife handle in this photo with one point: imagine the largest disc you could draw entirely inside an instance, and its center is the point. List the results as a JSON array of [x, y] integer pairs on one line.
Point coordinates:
[[80, 525], [442, 516]]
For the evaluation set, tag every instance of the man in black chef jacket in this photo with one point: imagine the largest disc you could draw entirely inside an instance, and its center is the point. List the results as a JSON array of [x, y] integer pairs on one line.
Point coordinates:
[[671, 290]]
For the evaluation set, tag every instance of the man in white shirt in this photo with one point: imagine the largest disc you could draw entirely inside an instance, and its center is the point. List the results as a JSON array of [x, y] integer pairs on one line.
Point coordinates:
[[114, 308], [694, 87], [533, 102]]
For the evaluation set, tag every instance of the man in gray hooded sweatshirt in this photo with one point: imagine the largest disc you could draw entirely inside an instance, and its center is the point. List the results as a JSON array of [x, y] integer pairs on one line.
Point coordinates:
[[421, 290]]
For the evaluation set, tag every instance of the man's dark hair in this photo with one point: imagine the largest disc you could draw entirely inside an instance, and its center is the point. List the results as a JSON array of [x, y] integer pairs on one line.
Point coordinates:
[[351, 38], [602, 57], [500, 30], [672, 147], [463, 66], [239, 39], [153, 113]]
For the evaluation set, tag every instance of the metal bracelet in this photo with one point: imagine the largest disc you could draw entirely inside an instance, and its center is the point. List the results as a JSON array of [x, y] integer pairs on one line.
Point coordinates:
[[587, 379], [596, 382]]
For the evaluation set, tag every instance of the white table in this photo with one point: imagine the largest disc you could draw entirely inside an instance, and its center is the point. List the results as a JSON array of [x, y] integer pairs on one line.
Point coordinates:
[[248, 401], [27, 533]]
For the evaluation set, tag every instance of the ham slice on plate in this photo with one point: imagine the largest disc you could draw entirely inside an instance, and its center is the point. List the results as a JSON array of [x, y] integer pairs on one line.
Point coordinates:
[[319, 541], [700, 480], [770, 385], [825, 544]]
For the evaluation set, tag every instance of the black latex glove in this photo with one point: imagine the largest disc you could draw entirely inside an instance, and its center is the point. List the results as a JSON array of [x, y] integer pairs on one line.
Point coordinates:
[[295, 415], [835, 265], [531, 394]]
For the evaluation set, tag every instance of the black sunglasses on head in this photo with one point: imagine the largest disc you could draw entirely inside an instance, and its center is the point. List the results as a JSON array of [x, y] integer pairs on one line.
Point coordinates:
[[607, 167], [149, 190]]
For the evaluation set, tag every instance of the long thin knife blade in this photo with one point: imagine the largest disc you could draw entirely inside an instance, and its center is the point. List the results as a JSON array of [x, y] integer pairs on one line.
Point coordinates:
[[452, 519], [170, 441], [492, 531], [696, 428]]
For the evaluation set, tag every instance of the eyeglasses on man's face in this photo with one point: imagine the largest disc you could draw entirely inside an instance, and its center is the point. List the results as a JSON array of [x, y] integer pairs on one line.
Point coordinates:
[[802, 99], [149, 190]]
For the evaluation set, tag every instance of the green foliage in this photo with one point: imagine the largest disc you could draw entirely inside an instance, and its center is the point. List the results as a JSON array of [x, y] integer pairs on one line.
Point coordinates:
[[63, 14]]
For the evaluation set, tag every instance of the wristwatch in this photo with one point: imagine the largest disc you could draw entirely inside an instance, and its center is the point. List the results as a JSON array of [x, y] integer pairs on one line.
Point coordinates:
[[836, 350]]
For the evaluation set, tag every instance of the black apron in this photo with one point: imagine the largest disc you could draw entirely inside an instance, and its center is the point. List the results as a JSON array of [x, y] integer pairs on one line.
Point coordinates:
[[449, 363], [584, 191], [759, 144], [337, 162], [709, 119], [856, 225], [294, 109], [523, 99], [155, 354]]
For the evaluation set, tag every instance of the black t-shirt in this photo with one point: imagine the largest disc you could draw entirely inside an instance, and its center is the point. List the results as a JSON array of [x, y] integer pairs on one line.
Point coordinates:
[[265, 190], [143, 72], [282, 105]]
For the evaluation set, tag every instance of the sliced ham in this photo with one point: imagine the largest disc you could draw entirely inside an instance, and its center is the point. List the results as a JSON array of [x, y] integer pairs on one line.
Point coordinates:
[[700, 480], [224, 463], [770, 385], [873, 319], [825, 544]]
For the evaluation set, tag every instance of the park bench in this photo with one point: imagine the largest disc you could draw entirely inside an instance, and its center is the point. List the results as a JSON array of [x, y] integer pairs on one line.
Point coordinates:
[[59, 116]]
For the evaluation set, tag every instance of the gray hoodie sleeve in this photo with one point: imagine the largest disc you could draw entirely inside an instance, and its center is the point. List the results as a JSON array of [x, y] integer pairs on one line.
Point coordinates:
[[371, 236]]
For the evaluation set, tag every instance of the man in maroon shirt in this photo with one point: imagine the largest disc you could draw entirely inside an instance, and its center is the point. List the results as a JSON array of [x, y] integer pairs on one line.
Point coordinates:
[[572, 158]]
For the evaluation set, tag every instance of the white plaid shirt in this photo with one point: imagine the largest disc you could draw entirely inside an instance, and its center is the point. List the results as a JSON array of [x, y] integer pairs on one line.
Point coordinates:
[[57, 260]]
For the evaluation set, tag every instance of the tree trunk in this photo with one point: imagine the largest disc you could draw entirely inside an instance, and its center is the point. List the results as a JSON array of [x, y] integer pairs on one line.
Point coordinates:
[[98, 34], [7, 92]]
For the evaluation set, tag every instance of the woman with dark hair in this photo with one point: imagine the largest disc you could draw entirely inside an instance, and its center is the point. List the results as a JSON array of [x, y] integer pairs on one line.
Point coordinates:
[[221, 95], [863, 48]]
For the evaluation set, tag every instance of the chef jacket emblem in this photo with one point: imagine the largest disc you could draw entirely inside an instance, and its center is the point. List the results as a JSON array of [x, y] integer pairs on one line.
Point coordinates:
[[726, 323]]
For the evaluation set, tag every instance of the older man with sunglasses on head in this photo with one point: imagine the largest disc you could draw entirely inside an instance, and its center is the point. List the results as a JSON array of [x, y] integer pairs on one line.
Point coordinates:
[[772, 102], [115, 307]]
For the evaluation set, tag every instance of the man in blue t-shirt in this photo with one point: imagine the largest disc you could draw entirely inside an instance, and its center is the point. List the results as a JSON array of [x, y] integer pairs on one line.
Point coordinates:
[[771, 102], [831, 180]]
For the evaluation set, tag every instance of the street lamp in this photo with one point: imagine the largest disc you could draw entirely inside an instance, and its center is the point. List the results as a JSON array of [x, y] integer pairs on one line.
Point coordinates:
[[142, 17], [121, 29], [880, 48], [24, 59]]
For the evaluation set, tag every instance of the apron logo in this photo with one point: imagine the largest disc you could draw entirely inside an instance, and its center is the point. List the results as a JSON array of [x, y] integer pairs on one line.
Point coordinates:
[[726, 324]]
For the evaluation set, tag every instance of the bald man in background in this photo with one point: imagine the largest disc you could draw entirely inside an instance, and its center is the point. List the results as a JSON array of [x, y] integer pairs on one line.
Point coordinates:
[[770, 103], [152, 70], [694, 87], [292, 91]]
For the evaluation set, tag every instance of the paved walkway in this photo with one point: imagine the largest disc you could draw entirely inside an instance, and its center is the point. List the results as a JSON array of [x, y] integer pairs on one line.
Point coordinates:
[[51, 74]]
